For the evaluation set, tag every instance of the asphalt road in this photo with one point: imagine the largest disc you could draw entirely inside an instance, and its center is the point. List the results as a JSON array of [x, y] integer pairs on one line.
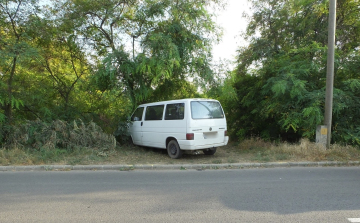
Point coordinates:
[[251, 195]]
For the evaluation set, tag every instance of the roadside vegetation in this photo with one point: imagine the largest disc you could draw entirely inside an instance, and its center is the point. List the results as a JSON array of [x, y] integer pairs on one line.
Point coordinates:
[[253, 150], [71, 73]]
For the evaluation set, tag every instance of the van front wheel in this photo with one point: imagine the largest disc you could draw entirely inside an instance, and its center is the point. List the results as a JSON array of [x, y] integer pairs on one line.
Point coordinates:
[[210, 151], [174, 150]]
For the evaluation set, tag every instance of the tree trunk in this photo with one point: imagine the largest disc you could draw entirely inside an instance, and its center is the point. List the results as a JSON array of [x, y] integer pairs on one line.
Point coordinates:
[[8, 106]]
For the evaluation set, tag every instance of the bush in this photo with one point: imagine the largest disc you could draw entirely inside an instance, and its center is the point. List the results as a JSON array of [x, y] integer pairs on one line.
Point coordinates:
[[122, 134], [59, 134]]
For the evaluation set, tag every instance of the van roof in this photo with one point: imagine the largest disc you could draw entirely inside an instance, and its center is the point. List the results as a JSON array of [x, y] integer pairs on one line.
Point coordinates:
[[179, 100]]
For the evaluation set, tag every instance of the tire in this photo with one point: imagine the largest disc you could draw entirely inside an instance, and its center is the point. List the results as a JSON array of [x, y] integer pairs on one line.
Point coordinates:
[[174, 150], [210, 151]]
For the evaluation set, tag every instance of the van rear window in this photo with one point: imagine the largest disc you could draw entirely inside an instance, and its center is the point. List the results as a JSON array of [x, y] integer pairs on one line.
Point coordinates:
[[206, 110]]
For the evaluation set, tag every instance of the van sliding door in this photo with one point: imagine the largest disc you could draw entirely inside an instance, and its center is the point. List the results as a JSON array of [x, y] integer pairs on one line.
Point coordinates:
[[153, 127]]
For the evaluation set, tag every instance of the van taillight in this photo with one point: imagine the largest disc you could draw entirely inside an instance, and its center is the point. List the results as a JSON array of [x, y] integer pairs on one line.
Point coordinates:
[[189, 136], [225, 133]]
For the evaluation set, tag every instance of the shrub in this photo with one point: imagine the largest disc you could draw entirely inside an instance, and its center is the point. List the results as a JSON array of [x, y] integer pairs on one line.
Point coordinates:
[[59, 134], [122, 134]]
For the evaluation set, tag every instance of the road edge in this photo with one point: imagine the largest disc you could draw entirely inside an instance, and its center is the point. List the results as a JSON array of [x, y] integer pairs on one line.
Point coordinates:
[[178, 166]]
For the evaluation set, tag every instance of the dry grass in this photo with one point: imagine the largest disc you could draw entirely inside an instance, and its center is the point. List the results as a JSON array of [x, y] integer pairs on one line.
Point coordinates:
[[302, 151], [250, 150], [40, 135]]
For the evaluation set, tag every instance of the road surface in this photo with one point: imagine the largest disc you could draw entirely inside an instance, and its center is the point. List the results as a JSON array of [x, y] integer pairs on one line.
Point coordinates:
[[249, 195]]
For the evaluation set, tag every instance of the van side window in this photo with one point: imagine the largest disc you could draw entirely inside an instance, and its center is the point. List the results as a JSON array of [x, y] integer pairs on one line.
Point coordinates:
[[174, 111], [137, 116], [154, 112]]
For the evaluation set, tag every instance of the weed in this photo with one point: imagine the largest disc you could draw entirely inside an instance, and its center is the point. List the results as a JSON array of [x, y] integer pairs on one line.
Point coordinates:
[[281, 156], [261, 157], [59, 134], [231, 160], [48, 168], [216, 161], [127, 168]]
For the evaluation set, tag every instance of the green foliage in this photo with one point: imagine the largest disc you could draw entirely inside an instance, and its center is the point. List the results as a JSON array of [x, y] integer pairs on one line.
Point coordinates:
[[280, 77], [16, 52], [12, 102], [97, 60], [58, 134], [157, 43], [121, 133]]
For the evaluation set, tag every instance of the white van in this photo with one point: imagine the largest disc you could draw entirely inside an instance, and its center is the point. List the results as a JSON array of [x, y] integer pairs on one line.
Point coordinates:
[[185, 124]]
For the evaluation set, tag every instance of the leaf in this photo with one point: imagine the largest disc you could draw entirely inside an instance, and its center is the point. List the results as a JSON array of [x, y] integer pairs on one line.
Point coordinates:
[[279, 87]]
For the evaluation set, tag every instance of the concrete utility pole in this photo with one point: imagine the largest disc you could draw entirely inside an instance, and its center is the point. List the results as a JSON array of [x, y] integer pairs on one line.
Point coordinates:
[[330, 71]]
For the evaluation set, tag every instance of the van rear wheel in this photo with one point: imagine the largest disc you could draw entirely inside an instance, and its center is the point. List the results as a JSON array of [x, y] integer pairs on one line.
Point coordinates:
[[174, 150], [210, 151]]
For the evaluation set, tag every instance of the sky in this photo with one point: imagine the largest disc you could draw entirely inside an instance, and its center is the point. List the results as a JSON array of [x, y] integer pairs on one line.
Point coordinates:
[[233, 24]]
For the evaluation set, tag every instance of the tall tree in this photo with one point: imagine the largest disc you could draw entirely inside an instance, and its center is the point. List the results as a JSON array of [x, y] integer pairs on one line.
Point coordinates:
[[285, 63], [63, 61], [15, 17], [143, 45]]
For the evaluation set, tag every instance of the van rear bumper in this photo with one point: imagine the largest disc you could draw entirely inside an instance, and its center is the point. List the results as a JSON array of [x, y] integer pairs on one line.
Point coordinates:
[[194, 145]]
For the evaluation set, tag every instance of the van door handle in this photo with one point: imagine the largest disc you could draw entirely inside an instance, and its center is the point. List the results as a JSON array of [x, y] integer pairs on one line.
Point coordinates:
[[141, 123]]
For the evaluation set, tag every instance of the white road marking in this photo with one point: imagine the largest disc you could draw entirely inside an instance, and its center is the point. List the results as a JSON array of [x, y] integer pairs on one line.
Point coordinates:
[[354, 220]]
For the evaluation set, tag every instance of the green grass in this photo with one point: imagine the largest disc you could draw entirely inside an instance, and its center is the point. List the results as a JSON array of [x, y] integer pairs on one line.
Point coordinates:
[[217, 161]]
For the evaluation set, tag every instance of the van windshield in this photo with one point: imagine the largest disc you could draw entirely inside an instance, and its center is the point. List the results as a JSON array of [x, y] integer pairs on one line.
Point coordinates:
[[206, 110]]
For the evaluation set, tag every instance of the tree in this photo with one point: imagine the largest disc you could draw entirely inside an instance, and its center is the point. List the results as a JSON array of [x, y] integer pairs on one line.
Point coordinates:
[[144, 45], [283, 69], [63, 61], [15, 50]]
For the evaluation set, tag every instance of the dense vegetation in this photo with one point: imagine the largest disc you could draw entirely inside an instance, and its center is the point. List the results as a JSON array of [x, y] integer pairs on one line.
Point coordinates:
[[280, 78], [97, 60], [89, 60]]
